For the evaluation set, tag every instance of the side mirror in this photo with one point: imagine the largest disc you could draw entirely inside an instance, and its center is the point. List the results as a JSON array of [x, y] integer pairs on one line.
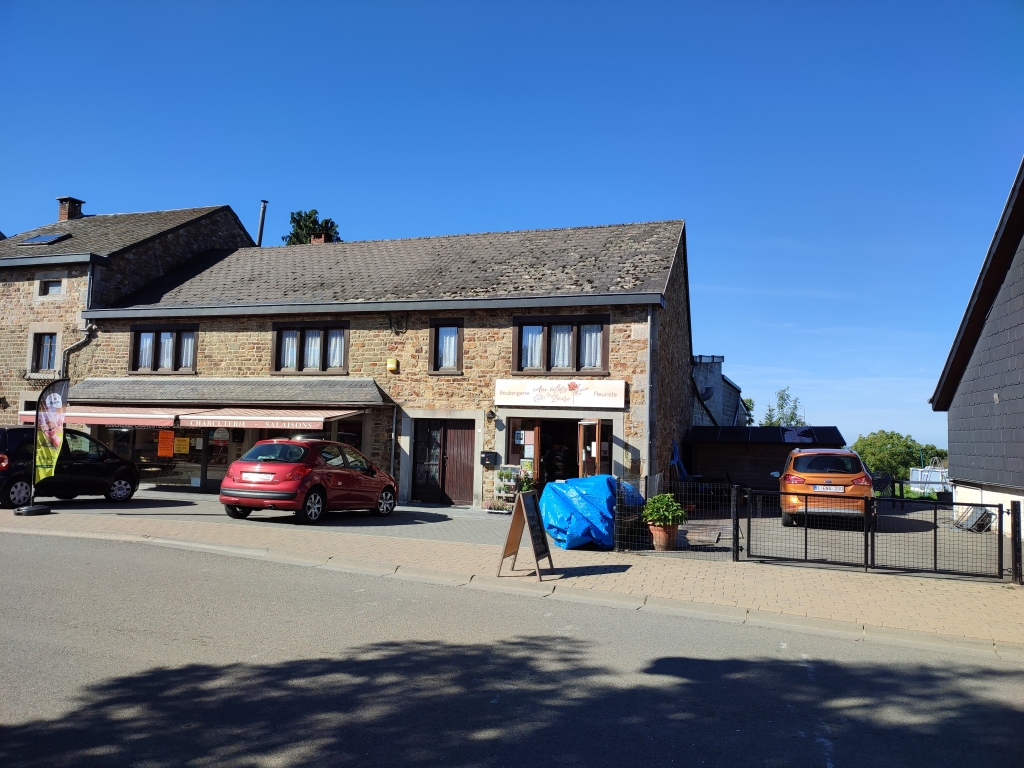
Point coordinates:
[[776, 475]]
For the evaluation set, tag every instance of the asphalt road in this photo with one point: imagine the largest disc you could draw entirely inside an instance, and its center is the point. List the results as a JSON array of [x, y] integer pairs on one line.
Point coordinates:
[[126, 654]]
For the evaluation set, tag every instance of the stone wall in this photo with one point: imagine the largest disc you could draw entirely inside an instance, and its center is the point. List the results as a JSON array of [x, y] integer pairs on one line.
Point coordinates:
[[242, 346], [142, 264]]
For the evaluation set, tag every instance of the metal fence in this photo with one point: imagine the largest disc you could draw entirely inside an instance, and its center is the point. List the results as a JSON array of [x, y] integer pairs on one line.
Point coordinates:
[[712, 528], [911, 535]]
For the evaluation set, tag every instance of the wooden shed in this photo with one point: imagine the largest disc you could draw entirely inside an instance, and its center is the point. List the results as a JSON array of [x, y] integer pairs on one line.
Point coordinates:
[[748, 455]]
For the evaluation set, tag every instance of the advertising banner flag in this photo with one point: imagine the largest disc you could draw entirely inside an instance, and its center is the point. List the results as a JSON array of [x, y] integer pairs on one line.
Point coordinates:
[[50, 407]]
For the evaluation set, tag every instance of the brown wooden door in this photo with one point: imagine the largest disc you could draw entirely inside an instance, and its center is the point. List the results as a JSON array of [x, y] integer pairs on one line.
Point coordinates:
[[458, 461]]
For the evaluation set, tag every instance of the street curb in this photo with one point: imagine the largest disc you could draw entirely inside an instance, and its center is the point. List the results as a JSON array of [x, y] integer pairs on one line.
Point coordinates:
[[556, 591], [597, 597]]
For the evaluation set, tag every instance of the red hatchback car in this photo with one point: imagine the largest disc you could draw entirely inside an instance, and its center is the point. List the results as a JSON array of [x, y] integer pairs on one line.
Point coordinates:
[[309, 477]]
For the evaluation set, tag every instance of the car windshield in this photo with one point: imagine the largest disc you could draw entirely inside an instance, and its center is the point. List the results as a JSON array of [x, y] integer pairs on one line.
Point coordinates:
[[828, 464], [286, 453]]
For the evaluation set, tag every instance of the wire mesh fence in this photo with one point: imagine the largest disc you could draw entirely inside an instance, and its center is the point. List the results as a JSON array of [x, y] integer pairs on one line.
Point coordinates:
[[710, 530]]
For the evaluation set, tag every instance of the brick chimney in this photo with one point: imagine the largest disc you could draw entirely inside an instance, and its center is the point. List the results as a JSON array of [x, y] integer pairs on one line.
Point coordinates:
[[70, 208], [317, 239]]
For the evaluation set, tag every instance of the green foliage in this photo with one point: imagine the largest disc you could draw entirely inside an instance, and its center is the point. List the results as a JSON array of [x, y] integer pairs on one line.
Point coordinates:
[[894, 453], [305, 224], [785, 412], [527, 483], [748, 403], [663, 509]]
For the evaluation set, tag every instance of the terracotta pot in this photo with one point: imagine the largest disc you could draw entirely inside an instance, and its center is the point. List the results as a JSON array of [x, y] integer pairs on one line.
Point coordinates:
[[664, 536]]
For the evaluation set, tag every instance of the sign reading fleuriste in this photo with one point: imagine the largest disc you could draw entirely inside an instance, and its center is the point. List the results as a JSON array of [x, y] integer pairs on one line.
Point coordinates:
[[560, 393]]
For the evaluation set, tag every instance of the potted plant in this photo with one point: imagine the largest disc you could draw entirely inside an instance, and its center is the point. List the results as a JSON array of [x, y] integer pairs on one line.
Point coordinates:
[[663, 515]]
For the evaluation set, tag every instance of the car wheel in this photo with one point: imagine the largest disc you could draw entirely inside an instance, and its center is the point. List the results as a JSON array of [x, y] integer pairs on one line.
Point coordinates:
[[385, 503], [17, 494], [312, 508], [120, 490], [237, 513], [788, 520]]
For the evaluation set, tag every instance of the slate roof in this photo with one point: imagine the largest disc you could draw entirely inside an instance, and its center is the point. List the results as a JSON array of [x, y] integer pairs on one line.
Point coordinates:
[[104, 234], [300, 390], [624, 258], [997, 264]]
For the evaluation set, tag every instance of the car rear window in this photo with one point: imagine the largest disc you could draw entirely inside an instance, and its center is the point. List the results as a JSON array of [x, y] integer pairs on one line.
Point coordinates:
[[11, 440], [286, 453], [828, 464]]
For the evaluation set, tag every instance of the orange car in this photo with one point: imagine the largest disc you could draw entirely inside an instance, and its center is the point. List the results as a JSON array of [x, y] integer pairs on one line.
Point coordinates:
[[822, 481]]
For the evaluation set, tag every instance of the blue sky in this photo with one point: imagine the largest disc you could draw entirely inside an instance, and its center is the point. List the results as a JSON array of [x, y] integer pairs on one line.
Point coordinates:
[[841, 167]]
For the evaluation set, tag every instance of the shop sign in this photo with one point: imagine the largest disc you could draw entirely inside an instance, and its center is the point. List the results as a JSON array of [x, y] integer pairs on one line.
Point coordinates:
[[220, 436], [181, 445], [559, 393]]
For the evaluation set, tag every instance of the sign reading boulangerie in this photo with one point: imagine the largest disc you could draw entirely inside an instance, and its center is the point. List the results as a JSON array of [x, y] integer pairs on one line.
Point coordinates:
[[561, 393]]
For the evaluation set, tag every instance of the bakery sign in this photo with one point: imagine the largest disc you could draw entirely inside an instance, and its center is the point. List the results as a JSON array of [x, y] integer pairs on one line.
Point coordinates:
[[560, 393]]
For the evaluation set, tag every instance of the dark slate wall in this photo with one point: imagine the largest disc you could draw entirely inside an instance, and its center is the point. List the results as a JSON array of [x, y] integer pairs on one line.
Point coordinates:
[[986, 437]]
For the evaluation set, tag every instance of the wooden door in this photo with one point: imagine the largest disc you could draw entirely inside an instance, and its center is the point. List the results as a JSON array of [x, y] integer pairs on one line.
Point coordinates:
[[427, 460], [458, 461], [587, 448]]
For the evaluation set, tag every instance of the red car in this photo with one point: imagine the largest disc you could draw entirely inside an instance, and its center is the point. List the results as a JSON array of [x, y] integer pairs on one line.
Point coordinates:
[[309, 477]]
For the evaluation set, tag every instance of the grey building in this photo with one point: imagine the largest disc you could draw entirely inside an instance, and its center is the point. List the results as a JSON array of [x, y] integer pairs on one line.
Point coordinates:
[[717, 400], [982, 384]]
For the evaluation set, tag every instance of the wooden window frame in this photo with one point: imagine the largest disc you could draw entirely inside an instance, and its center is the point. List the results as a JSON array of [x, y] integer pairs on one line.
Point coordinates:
[[445, 322], [546, 321], [37, 351], [302, 328], [177, 329]]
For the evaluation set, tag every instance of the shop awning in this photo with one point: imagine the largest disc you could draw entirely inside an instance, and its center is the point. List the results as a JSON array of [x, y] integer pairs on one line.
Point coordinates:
[[115, 415], [264, 418]]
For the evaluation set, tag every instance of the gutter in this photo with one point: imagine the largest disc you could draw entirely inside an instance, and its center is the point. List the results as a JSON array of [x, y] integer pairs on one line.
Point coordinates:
[[399, 305], [42, 261]]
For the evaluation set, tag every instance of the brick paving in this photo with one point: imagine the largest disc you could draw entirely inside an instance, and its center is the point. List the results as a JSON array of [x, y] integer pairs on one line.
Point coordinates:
[[958, 608]]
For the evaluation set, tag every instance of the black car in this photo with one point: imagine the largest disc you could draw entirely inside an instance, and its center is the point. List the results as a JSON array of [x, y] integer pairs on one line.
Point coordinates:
[[85, 466]]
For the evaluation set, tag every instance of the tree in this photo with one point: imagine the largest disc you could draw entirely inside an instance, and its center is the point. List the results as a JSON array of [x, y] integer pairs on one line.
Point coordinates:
[[748, 403], [785, 412], [305, 224], [894, 453]]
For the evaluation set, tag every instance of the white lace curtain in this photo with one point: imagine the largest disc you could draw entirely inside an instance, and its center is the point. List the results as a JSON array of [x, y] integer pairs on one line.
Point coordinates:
[[145, 359], [590, 346], [188, 347], [532, 346], [336, 349], [561, 346], [447, 347], [311, 351], [167, 350], [289, 348]]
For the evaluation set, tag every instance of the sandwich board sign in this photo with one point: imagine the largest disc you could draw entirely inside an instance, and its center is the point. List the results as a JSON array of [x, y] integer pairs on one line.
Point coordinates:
[[526, 515]]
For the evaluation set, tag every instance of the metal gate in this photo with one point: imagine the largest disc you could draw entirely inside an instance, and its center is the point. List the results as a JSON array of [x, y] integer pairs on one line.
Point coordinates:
[[899, 534]]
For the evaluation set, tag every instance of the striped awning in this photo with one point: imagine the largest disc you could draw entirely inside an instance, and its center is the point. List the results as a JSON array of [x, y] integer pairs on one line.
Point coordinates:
[[239, 418]]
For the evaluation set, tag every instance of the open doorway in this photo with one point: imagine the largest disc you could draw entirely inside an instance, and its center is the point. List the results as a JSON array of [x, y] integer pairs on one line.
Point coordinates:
[[555, 450]]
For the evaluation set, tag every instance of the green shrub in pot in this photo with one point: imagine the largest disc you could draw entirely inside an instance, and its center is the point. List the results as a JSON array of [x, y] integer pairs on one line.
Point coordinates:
[[663, 509]]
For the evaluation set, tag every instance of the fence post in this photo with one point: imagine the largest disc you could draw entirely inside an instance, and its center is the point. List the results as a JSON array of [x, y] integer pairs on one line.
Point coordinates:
[[867, 533], [750, 514], [935, 536], [1016, 575], [805, 526], [735, 528], [999, 556]]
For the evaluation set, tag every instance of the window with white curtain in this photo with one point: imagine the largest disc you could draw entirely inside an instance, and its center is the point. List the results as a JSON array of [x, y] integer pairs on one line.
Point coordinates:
[[561, 346], [336, 348], [532, 347], [164, 349], [447, 347], [311, 350], [571, 343], [289, 345], [144, 358], [591, 342]]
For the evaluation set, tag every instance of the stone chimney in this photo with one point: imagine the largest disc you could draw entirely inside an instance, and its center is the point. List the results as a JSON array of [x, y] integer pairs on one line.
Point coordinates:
[[70, 208], [317, 239]]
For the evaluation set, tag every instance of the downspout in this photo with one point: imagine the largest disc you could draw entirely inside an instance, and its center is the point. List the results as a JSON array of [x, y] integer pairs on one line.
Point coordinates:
[[394, 422], [65, 358], [650, 390]]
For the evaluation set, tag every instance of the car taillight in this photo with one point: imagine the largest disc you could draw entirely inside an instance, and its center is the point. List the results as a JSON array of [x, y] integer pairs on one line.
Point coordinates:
[[3, 461], [862, 481], [793, 480], [298, 473]]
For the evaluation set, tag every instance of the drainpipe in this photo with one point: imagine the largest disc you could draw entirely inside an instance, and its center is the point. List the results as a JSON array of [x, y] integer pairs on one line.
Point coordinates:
[[65, 357], [394, 422]]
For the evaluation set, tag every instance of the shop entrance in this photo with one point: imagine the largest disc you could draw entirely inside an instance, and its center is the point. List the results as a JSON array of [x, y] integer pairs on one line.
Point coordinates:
[[443, 461], [560, 449]]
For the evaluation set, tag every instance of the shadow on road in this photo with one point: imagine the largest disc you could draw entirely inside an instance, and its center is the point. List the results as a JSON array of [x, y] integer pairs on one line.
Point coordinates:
[[534, 702], [102, 505]]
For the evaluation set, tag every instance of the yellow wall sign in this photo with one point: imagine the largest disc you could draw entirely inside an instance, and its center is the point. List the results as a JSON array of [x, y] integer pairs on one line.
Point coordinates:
[[181, 445]]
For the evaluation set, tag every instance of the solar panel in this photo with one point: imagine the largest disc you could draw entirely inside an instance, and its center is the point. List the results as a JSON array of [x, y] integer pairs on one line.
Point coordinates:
[[43, 239]]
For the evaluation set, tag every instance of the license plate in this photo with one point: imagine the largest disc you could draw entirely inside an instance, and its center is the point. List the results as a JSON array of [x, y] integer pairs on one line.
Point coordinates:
[[257, 477], [829, 488]]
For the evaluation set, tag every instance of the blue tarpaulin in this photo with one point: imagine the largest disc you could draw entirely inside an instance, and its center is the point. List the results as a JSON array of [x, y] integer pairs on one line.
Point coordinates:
[[581, 511]]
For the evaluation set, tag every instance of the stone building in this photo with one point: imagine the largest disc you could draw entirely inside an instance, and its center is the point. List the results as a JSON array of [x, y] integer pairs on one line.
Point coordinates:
[[52, 274], [563, 351]]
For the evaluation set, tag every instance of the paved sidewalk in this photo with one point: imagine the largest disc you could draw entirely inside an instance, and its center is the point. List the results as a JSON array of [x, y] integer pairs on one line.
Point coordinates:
[[985, 611]]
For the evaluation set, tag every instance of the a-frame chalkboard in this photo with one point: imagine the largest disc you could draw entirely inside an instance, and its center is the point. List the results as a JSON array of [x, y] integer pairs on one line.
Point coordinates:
[[526, 515]]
